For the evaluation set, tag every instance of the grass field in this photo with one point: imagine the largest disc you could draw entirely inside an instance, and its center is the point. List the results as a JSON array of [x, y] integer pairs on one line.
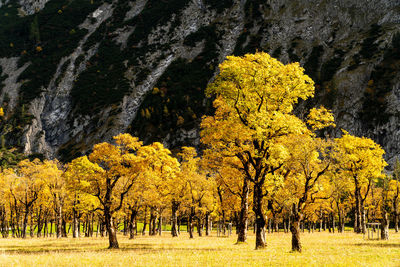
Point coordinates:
[[319, 249]]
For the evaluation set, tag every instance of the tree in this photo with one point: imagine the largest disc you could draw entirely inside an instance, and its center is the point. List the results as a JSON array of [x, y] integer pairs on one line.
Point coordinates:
[[308, 162], [395, 188], [361, 160], [110, 172], [231, 180], [254, 110]]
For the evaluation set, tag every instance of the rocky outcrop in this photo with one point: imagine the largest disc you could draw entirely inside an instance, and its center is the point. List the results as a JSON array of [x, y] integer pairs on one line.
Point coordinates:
[[102, 60]]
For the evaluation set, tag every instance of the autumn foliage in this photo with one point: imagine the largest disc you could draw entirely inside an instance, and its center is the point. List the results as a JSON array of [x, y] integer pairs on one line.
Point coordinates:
[[261, 165]]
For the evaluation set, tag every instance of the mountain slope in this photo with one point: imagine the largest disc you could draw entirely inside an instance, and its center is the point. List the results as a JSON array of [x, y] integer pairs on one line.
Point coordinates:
[[77, 72]]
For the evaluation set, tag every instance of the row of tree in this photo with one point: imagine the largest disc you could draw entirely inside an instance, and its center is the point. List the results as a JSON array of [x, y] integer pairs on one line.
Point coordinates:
[[257, 153]]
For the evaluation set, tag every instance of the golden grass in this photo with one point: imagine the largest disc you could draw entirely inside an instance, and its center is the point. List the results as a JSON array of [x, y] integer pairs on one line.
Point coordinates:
[[319, 249]]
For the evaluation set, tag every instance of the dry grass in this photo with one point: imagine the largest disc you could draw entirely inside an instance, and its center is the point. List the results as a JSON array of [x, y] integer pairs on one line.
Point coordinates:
[[320, 249]]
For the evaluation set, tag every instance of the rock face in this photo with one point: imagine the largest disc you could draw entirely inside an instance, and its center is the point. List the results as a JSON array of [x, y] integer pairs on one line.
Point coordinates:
[[75, 73]]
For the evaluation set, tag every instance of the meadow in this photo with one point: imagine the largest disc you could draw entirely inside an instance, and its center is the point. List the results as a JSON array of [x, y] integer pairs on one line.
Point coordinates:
[[319, 249]]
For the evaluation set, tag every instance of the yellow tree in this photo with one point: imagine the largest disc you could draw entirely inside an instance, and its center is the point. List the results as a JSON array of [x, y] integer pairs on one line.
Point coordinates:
[[307, 164], [232, 185], [160, 178], [78, 172], [53, 178], [199, 188], [395, 189], [254, 109], [113, 169], [24, 185], [361, 160]]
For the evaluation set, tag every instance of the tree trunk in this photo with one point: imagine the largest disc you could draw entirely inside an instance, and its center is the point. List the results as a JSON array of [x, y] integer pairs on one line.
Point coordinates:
[[174, 218], [190, 223], [112, 233], [160, 224], [24, 224], [59, 221], [260, 219], [199, 225], [358, 222], [243, 214], [75, 227], [144, 221], [295, 229], [385, 226], [396, 222], [207, 222], [132, 225], [363, 220], [340, 229], [31, 227]]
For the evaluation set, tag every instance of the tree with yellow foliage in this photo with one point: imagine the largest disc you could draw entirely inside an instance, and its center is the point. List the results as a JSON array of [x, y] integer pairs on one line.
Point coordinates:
[[54, 182], [111, 172], [361, 160], [254, 110], [395, 189], [76, 176], [232, 185], [23, 186], [308, 163]]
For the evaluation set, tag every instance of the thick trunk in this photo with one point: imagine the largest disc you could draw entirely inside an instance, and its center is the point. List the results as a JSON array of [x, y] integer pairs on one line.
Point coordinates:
[[144, 221], [200, 225], [75, 233], [207, 222], [24, 224], [260, 219], [358, 222], [31, 227], [112, 233], [174, 218], [160, 225], [340, 225], [363, 220], [243, 214], [59, 221], [295, 229], [132, 225], [64, 228], [396, 222], [385, 226], [190, 223]]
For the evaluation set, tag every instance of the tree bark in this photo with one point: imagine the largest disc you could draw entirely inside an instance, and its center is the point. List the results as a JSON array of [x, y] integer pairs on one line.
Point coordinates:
[[243, 214], [190, 222], [112, 233], [160, 224], [144, 221], [260, 219], [59, 221], [132, 225], [199, 225], [385, 226], [75, 227], [207, 222], [295, 229], [174, 218]]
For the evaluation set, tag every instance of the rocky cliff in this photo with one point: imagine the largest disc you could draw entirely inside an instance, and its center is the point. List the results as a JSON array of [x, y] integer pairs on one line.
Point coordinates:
[[77, 72]]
